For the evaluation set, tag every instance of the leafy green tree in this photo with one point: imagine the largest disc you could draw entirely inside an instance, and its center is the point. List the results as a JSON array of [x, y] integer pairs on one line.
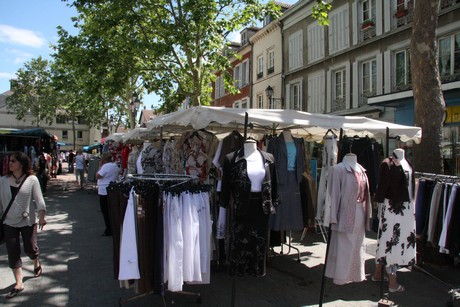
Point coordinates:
[[171, 48], [33, 93]]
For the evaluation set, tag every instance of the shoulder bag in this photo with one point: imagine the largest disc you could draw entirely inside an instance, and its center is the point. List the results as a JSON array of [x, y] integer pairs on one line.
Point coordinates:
[[2, 233]]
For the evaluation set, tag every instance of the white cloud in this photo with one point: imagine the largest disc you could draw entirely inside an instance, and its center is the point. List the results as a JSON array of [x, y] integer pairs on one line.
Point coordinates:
[[18, 55], [19, 36], [234, 37], [7, 75]]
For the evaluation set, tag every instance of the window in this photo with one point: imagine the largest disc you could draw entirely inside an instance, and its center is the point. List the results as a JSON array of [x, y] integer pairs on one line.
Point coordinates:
[[294, 96], [449, 55], [271, 61], [65, 134], [81, 120], [295, 50], [368, 10], [241, 104], [338, 29], [79, 134], [61, 119], [402, 69], [315, 98], [244, 103], [245, 73], [369, 78], [236, 76], [340, 90], [260, 67], [260, 101], [315, 40], [241, 74], [219, 89], [244, 37]]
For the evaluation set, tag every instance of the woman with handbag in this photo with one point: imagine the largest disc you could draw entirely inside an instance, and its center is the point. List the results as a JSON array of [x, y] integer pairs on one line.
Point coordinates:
[[20, 198]]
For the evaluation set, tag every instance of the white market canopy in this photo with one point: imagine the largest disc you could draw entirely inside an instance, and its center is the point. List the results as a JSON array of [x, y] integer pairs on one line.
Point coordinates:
[[139, 135], [308, 125], [115, 137]]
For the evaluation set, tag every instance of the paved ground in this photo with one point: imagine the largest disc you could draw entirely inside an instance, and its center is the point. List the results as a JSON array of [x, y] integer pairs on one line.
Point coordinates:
[[77, 270]]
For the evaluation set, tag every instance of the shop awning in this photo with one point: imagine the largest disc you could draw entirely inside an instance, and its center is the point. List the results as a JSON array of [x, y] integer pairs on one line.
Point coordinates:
[[308, 125], [35, 132]]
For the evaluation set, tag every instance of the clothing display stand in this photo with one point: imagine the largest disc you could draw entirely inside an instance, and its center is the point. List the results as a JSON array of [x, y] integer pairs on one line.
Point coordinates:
[[160, 179], [290, 246], [455, 291]]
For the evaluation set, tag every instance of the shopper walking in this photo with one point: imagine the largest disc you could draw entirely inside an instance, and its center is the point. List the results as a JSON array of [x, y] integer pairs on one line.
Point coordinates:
[[80, 168], [107, 173], [70, 160], [20, 198]]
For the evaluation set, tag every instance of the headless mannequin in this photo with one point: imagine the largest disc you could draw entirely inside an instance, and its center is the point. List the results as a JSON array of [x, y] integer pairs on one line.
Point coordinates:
[[255, 166], [287, 136], [399, 154], [352, 161]]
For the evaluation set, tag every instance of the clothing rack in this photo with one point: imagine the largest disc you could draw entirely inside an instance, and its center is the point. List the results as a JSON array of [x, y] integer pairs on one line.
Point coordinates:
[[454, 292], [160, 179], [436, 176]]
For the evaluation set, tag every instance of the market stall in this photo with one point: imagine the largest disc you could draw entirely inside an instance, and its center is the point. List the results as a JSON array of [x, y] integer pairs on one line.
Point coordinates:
[[308, 125]]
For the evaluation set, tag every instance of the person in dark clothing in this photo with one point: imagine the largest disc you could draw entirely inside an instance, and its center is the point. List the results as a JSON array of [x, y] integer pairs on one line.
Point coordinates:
[[42, 173], [71, 160]]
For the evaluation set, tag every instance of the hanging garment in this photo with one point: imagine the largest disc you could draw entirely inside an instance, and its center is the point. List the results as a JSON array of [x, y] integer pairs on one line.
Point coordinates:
[[367, 151], [129, 264], [172, 158], [199, 147], [289, 161], [329, 159], [443, 243], [151, 160], [132, 159]]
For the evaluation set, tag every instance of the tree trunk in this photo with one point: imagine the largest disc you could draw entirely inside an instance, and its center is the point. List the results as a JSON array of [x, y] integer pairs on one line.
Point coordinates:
[[429, 102]]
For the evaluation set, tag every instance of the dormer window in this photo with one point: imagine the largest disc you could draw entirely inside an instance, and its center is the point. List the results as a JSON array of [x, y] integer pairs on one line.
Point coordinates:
[[244, 37]]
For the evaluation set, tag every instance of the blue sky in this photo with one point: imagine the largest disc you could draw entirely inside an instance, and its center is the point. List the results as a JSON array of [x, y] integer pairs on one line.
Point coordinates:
[[28, 27]]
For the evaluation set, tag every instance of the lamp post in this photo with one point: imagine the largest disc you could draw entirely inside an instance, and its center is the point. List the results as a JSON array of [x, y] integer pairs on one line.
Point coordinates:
[[271, 99], [135, 103]]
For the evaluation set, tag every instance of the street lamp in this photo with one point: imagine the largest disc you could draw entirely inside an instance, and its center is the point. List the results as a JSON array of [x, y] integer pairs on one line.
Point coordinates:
[[135, 104], [271, 99]]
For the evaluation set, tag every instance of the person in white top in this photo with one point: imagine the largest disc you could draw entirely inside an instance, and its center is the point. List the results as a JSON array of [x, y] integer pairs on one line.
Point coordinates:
[[107, 173], [80, 168]]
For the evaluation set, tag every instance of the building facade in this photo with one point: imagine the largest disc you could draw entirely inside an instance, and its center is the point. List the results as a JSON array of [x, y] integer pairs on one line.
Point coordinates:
[[62, 127]]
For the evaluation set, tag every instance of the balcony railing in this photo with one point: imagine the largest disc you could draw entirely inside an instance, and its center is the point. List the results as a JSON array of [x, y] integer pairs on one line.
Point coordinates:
[[403, 17], [364, 97], [338, 104], [367, 30], [447, 3]]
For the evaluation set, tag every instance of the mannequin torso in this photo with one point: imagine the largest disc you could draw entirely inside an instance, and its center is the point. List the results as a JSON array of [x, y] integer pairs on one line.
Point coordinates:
[[287, 136], [352, 161], [255, 166], [399, 154]]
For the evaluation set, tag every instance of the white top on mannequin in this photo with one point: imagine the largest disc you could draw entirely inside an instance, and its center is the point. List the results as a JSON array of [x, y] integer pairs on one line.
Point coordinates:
[[146, 144], [255, 165], [401, 157], [287, 136], [351, 160]]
